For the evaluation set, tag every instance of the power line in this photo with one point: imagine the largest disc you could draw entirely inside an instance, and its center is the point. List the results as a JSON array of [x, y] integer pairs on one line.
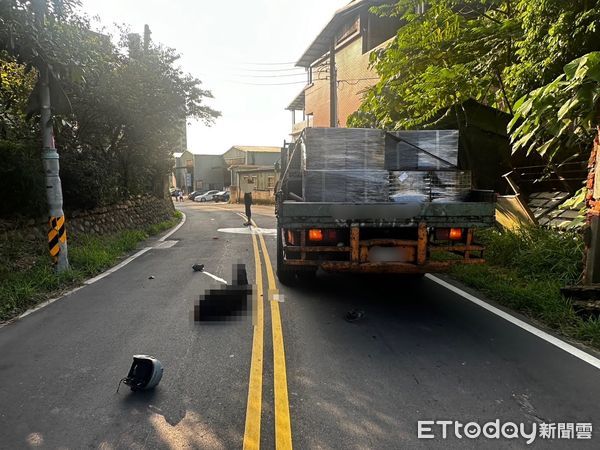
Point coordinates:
[[267, 63], [291, 69], [264, 84], [274, 76]]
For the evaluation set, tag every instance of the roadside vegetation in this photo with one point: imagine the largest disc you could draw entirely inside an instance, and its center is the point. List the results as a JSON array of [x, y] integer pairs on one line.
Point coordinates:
[[119, 100], [537, 61], [28, 277], [525, 270]]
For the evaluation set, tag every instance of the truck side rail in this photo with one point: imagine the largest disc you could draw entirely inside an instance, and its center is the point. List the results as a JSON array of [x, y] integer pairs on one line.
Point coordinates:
[[460, 214]]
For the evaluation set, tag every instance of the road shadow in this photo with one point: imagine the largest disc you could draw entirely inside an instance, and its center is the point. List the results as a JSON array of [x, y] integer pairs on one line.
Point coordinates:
[[153, 401]]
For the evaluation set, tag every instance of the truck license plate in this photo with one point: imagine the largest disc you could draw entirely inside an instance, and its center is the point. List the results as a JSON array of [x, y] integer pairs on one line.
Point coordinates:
[[391, 254]]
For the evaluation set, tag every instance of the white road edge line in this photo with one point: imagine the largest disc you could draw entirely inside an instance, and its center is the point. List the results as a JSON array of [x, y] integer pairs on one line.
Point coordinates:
[[174, 230], [98, 277], [46, 303], [584, 356], [118, 266]]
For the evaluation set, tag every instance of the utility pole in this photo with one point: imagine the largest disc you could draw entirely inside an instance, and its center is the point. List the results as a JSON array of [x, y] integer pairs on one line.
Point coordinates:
[[333, 112], [57, 235], [147, 34]]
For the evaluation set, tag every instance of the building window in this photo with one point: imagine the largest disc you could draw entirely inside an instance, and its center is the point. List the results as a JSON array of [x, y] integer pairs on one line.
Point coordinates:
[[189, 162], [270, 182], [378, 30], [347, 30]]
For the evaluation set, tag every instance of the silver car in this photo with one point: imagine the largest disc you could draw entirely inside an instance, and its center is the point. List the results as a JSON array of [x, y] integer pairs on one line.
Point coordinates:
[[206, 197]]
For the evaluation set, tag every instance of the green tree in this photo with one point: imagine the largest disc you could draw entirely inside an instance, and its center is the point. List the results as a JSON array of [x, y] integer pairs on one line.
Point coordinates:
[[126, 114], [494, 51], [555, 32], [454, 51], [559, 119]]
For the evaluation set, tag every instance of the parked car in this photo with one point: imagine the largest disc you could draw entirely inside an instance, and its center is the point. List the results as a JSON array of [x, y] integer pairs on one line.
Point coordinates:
[[207, 197], [222, 196], [195, 194]]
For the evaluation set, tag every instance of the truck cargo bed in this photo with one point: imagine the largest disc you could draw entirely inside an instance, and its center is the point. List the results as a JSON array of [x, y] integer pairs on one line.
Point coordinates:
[[456, 214]]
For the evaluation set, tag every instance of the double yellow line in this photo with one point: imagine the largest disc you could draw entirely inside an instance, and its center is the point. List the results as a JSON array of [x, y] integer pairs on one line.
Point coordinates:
[[283, 431]]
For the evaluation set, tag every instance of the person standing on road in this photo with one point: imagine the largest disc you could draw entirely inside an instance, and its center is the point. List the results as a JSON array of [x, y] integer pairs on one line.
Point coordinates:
[[247, 189]]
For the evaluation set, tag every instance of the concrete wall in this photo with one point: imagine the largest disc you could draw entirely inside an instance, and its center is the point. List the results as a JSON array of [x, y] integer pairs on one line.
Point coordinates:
[[264, 197], [180, 169], [263, 158], [210, 172]]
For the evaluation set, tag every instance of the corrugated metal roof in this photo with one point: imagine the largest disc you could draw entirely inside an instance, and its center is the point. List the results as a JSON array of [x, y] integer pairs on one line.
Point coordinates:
[[320, 46], [549, 212], [246, 169], [256, 149], [298, 103]]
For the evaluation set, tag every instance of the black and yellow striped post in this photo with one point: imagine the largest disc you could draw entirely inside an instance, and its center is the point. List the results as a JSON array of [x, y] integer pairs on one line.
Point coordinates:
[[57, 235]]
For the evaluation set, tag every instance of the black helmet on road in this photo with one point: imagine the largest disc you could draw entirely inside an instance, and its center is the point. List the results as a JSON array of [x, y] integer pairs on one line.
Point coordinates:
[[145, 373]]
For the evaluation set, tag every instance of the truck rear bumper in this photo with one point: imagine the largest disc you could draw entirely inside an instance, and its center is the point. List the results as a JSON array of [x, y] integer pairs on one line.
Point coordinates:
[[384, 267], [408, 256], [394, 267]]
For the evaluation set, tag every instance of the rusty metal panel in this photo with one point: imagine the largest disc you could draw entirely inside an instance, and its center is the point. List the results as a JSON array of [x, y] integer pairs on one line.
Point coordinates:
[[422, 243], [354, 243]]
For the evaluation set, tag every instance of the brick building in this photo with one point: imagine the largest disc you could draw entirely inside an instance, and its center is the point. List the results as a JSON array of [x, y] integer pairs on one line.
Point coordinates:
[[337, 65]]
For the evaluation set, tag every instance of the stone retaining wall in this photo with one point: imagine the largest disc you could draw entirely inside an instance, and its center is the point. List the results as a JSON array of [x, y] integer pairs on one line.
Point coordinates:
[[135, 213]]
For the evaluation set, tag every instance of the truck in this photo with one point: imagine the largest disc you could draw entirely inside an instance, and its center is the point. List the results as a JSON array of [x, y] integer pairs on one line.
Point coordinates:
[[376, 201]]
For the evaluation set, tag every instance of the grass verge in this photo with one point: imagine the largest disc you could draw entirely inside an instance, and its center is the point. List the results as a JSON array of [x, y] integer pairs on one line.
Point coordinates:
[[525, 270], [29, 278]]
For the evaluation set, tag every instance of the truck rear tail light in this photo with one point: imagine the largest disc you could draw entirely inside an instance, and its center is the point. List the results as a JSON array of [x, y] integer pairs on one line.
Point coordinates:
[[315, 234], [455, 234], [448, 234]]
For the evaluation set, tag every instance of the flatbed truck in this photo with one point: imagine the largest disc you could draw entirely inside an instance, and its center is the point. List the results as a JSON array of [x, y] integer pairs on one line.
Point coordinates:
[[411, 237]]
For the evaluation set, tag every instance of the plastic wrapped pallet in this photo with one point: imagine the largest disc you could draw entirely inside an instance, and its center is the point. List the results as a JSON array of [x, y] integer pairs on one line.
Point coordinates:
[[343, 148], [346, 186], [421, 150], [429, 186]]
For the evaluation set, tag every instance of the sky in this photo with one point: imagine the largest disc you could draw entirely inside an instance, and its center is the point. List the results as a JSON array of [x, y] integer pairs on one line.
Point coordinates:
[[243, 51]]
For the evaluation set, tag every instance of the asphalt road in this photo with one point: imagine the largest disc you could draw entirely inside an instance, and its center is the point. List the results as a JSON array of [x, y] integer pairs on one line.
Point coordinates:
[[421, 352]]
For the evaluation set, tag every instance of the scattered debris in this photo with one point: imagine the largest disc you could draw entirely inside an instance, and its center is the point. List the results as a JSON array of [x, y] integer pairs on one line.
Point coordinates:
[[354, 315], [214, 277], [198, 267], [276, 296], [215, 238], [151, 277], [145, 373]]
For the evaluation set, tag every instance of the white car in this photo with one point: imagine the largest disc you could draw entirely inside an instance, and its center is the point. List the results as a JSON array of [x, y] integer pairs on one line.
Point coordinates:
[[206, 197]]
